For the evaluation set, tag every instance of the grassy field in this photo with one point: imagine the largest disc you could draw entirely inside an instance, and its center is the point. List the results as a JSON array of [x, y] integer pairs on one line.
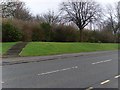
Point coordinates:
[[5, 46], [52, 48]]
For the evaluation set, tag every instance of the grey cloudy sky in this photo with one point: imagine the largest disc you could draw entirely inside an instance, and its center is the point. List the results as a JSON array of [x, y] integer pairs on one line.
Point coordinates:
[[43, 6]]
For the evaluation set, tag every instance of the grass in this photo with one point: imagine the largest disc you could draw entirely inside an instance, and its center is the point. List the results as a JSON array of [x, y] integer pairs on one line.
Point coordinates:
[[52, 48], [5, 46]]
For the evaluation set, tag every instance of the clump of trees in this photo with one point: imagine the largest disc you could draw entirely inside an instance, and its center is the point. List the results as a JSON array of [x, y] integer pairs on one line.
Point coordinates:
[[71, 24]]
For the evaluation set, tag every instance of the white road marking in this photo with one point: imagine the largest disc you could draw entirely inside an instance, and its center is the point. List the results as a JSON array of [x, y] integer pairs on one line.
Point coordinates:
[[2, 82], [108, 60], [75, 67], [105, 82], [117, 76], [90, 88], [102, 61], [58, 70]]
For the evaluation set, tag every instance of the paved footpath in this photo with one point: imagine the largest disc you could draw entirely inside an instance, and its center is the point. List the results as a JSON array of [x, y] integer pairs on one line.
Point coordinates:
[[19, 60]]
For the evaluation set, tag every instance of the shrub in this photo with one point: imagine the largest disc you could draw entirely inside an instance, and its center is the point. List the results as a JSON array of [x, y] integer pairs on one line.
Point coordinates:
[[106, 37], [46, 27], [37, 33], [10, 33], [63, 33]]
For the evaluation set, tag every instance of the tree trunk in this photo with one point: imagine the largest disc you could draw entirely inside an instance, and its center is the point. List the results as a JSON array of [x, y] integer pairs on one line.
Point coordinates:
[[116, 38], [81, 36]]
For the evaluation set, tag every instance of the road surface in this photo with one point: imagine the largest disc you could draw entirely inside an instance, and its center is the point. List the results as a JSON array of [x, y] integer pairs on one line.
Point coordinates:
[[98, 70]]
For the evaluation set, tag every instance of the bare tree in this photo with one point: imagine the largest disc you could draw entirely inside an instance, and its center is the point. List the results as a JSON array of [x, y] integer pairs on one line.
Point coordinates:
[[39, 18], [8, 8], [21, 12], [114, 18], [81, 12], [52, 18], [15, 9], [118, 14]]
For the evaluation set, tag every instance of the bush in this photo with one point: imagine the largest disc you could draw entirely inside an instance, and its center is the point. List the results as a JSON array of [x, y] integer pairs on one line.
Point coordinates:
[[10, 33], [37, 33], [46, 27], [18, 30], [106, 37], [63, 33]]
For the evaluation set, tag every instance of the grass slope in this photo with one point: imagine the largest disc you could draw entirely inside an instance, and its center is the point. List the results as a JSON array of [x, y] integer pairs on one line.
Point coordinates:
[[51, 48], [5, 46]]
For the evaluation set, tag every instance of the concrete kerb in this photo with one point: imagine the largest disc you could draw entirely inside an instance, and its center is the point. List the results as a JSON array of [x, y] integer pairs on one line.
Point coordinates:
[[20, 60], [34, 59]]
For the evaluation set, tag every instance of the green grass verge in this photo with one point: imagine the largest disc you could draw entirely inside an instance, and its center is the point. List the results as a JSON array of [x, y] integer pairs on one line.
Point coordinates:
[[52, 48], [5, 46]]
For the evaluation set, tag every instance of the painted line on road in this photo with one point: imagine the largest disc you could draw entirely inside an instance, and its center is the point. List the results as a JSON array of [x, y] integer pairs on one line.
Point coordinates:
[[90, 88], [75, 67], [58, 70], [2, 82], [117, 76], [104, 82], [102, 61]]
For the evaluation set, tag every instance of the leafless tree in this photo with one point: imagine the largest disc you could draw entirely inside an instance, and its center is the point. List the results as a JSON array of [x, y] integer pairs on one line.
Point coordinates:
[[8, 8], [114, 18], [21, 12], [52, 18], [39, 18], [81, 12], [118, 14], [15, 9]]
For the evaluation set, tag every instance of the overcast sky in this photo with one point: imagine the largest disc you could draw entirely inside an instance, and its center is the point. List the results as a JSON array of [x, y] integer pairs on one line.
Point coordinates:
[[43, 6]]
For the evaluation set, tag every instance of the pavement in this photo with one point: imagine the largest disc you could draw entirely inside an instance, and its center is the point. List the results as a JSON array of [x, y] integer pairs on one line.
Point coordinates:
[[15, 49], [20, 60], [84, 70]]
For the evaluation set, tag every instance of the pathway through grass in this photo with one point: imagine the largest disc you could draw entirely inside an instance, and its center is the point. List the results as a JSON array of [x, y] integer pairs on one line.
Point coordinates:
[[5, 46]]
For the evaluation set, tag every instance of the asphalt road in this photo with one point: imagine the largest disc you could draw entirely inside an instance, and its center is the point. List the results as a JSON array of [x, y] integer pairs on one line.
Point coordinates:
[[98, 70]]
